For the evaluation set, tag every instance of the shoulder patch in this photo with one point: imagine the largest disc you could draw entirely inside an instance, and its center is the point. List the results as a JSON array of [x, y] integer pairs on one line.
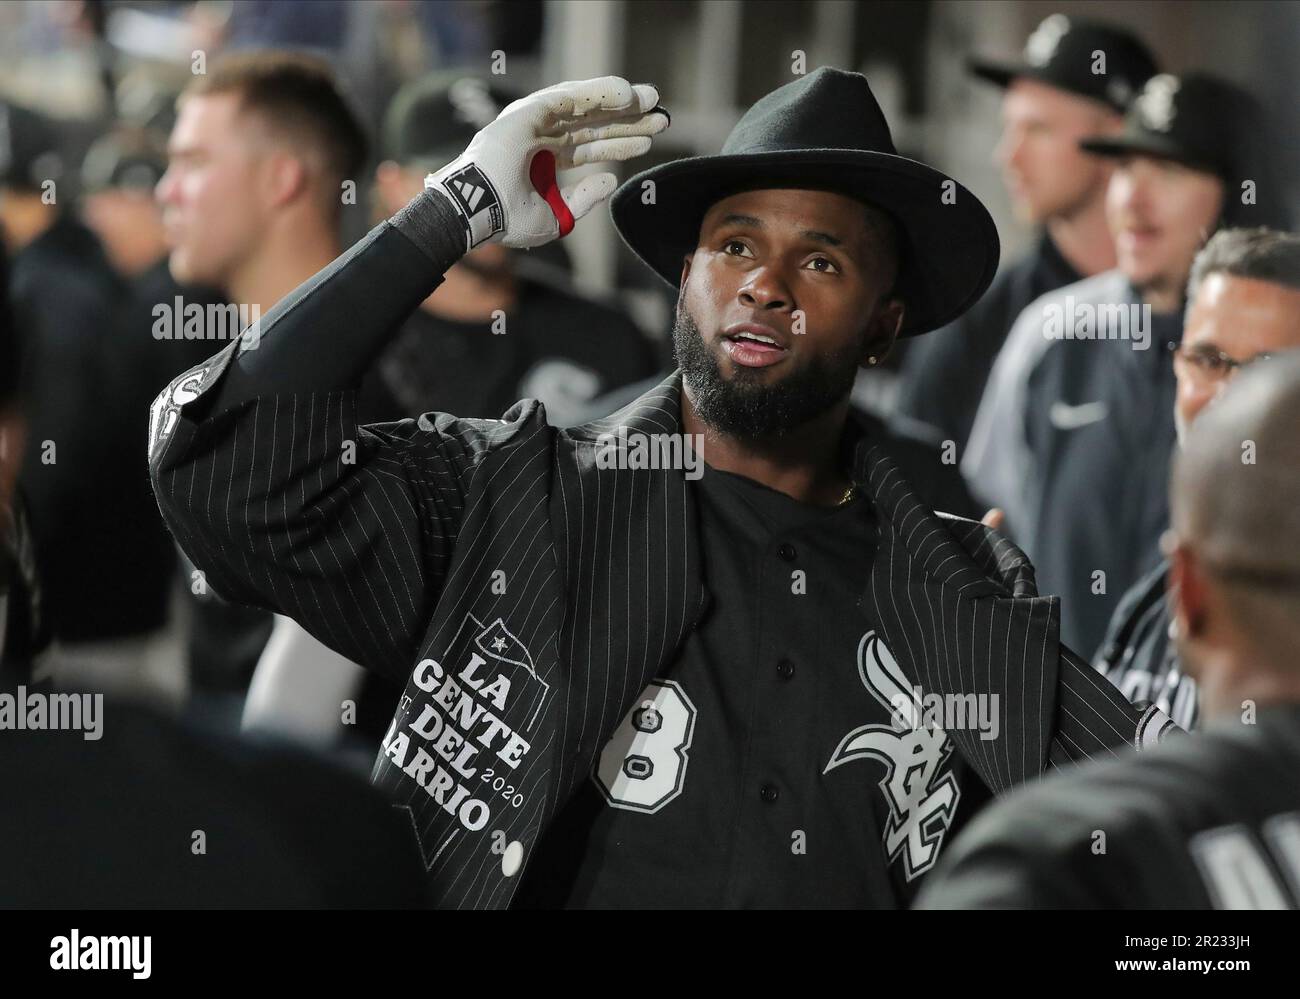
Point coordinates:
[[185, 388]]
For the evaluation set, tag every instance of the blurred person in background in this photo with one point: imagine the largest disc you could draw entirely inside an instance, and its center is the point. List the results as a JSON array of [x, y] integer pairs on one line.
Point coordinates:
[[23, 631], [1074, 435], [1054, 97], [66, 297], [1208, 820], [1243, 306], [118, 176], [259, 161], [127, 787]]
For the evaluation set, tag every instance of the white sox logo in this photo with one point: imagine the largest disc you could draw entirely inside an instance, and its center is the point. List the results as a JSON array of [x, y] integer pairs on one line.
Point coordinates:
[[472, 102], [165, 410], [1155, 105], [1043, 43], [922, 798]]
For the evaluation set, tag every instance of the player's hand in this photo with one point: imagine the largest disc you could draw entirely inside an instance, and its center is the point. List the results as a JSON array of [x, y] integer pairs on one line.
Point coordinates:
[[504, 184], [993, 518]]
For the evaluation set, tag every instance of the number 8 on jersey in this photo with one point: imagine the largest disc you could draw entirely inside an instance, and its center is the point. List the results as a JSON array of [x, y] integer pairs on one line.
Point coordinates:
[[643, 766]]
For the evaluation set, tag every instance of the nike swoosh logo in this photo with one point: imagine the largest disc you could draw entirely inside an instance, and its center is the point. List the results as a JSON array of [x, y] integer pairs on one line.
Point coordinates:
[[1067, 417]]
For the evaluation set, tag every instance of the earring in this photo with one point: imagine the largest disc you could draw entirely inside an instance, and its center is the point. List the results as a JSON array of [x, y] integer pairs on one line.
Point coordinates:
[[871, 359]]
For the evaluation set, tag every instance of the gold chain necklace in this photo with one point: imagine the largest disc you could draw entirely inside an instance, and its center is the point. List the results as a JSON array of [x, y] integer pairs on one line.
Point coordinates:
[[848, 495]]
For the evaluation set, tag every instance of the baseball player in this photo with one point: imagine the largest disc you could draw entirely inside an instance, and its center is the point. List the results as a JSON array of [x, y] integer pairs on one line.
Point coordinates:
[[719, 619], [1210, 820], [1053, 97], [1079, 400]]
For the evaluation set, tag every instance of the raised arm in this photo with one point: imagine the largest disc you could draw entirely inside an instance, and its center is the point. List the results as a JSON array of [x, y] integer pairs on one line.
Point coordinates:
[[258, 463]]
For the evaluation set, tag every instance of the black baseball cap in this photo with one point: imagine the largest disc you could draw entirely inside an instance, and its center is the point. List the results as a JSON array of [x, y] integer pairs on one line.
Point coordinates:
[[431, 120], [429, 123], [1062, 53], [1195, 119], [126, 158], [29, 148]]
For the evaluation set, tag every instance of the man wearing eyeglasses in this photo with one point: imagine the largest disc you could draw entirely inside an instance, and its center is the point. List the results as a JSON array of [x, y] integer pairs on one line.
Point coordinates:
[[1074, 434], [1244, 306]]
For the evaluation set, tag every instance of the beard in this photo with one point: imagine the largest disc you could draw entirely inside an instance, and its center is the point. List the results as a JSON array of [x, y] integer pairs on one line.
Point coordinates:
[[745, 406]]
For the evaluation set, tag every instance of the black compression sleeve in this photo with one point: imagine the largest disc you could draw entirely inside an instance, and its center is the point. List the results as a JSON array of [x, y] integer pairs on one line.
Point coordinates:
[[324, 334]]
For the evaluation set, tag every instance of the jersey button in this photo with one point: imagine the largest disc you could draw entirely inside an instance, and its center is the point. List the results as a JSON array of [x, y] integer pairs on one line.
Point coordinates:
[[769, 793], [787, 552], [785, 669]]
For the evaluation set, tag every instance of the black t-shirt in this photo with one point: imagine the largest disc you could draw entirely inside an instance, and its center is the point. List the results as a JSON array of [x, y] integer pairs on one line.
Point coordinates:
[[554, 347], [560, 349], [65, 298], [750, 775], [944, 373]]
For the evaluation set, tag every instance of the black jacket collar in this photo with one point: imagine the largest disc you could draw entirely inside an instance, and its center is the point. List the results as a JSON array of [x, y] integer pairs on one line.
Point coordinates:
[[994, 568]]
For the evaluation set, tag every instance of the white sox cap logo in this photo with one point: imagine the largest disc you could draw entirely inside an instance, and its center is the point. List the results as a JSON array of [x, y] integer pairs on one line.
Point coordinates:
[[472, 102], [1043, 42], [1155, 104]]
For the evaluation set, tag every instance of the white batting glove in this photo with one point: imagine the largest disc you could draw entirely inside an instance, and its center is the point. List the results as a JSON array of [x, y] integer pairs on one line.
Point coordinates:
[[503, 185]]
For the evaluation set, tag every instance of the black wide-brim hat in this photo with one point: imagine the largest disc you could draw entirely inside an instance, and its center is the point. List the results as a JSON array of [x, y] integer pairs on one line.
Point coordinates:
[[824, 131]]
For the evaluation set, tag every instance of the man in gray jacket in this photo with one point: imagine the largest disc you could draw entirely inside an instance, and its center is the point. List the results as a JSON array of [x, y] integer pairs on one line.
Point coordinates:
[[1074, 435]]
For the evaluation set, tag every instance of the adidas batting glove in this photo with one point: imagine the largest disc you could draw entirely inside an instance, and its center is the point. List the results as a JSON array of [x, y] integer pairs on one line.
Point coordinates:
[[503, 186]]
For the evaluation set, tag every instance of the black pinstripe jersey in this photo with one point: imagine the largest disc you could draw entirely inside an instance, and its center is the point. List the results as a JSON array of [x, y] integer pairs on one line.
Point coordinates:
[[525, 595], [1138, 658]]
